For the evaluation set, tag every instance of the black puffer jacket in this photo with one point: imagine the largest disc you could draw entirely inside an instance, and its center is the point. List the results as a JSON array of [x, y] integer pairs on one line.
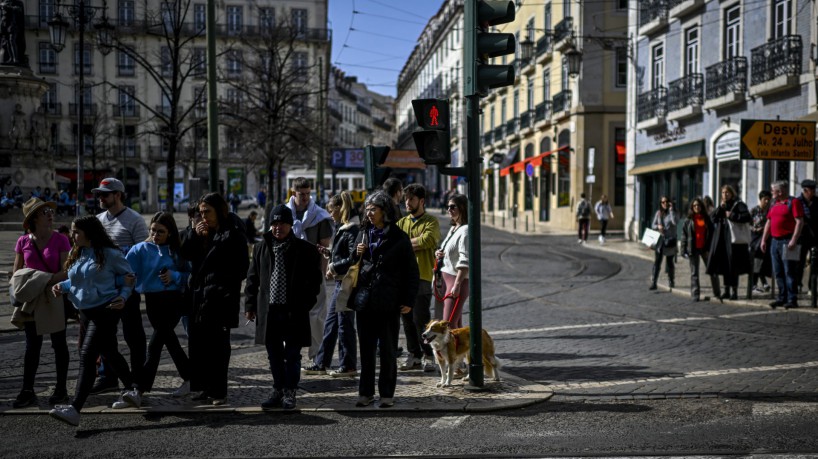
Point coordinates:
[[343, 249], [220, 263]]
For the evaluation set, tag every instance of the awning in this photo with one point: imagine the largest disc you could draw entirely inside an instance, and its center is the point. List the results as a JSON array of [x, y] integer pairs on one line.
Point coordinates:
[[404, 159], [535, 161], [511, 157], [687, 155]]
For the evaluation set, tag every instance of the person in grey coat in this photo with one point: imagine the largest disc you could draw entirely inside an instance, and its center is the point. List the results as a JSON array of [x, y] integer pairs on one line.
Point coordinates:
[[282, 284], [665, 223]]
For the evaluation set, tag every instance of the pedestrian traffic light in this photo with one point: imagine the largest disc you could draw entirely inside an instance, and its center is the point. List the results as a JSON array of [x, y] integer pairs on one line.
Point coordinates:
[[482, 45], [374, 175], [432, 140]]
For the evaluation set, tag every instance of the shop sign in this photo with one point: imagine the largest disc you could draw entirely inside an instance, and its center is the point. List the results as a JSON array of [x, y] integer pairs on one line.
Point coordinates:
[[778, 140], [671, 135]]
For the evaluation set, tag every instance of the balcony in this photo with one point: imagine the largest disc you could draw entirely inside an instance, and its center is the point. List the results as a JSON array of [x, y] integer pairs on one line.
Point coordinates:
[[125, 111], [513, 127], [776, 65], [129, 150], [499, 134], [725, 83], [680, 8], [52, 108], [561, 104], [157, 153], [542, 112], [87, 109], [544, 48], [487, 139], [564, 34], [652, 16], [685, 97], [526, 120], [651, 108]]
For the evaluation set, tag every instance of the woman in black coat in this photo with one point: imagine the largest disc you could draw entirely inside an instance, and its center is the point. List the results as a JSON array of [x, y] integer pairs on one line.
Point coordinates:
[[726, 258], [390, 274], [282, 285], [217, 248], [697, 233]]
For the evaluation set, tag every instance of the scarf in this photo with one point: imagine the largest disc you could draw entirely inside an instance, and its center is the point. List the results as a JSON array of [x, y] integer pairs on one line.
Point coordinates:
[[313, 216], [278, 279]]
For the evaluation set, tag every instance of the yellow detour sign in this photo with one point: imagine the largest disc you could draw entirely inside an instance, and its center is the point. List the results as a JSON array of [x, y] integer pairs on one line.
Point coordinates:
[[778, 140]]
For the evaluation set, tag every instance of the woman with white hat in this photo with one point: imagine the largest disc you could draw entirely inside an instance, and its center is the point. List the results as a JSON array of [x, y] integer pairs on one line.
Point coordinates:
[[42, 249]]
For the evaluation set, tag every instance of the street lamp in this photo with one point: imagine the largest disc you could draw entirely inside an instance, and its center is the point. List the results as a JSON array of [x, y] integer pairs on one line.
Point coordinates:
[[574, 59], [82, 15]]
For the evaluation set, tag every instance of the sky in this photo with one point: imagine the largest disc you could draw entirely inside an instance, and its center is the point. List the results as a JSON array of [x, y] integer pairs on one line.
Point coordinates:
[[371, 39]]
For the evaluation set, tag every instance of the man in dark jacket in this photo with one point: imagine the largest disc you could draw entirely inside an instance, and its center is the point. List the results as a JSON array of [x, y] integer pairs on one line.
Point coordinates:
[[282, 284], [809, 235]]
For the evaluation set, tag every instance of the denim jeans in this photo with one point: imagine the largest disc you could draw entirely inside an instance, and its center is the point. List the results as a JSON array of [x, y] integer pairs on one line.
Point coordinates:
[[783, 270], [338, 325], [164, 310]]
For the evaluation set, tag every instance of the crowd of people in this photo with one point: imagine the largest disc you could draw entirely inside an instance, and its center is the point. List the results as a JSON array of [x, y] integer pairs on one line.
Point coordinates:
[[771, 240], [63, 200], [107, 263]]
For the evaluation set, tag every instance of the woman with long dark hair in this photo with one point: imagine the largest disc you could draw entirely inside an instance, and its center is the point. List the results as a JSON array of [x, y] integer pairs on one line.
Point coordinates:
[[726, 258], [99, 281], [161, 274], [217, 248], [453, 257], [664, 221], [696, 234], [389, 274]]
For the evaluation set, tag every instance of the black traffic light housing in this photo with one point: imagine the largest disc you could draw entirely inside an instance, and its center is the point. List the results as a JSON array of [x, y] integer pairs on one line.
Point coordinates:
[[374, 175], [433, 139], [488, 45]]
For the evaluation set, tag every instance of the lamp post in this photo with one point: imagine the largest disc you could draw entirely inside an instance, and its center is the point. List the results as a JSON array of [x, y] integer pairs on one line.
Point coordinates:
[[82, 15]]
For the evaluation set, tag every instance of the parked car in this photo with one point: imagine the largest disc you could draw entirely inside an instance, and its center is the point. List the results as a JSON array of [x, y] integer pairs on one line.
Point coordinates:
[[248, 202]]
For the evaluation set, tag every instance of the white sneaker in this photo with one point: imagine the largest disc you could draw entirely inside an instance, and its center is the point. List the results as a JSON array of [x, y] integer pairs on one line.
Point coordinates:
[[579, 241], [67, 414], [411, 363], [133, 398], [121, 403], [183, 390], [428, 365]]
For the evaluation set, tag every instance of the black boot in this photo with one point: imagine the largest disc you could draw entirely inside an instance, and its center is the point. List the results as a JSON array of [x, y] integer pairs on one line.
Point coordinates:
[[726, 294], [654, 278]]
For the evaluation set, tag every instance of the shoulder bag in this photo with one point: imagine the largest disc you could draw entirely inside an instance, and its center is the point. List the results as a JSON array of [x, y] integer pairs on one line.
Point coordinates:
[[348, 284], [740, 233]]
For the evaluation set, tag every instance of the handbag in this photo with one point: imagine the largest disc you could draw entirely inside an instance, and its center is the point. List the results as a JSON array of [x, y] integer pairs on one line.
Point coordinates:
[[739, 232], [651, 238], [348, 284]]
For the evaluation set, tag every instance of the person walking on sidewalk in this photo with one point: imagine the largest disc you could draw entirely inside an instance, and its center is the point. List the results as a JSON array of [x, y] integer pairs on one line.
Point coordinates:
[[99, 283], [726, 258], [583, 218], [453, 257], [809, 234], [762, 265], [604, 212], [161, 274], [696, 233], [126, 227], [340, 325], [217, 249], [424, 234], [282, 283], [664, 221], [43, 251], [785, 221]]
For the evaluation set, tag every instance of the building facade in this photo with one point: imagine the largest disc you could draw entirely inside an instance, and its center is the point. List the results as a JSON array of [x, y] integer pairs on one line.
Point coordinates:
[[122, 101], [702, 67]]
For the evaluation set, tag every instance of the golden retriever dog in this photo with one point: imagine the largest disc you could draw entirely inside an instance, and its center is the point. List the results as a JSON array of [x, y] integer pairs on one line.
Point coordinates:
[[452, 347]]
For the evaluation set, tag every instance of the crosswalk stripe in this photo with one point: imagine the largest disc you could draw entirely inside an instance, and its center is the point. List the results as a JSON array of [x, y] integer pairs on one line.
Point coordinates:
[[448, 422]]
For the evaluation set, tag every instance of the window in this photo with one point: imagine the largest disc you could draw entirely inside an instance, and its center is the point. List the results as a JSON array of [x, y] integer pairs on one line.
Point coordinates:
[[563, 178], [127, 140], [168, 16], [516, 107], [546, 84], [564, 77], [164, 62], [199, 17], [235, 99], [87, 57], [548, 19], [691, 51], [200, 98], [234, 63], [127, 103], [491, 118], [125, 64], [732, 36], [300, 64], [621, 5], [48, 58], [233, 140], [199, 62], [87, 139], [530, 95], [529, 31], [164, 104], [621, 63], [503, 193], [127, 13], [658, 66], [266, 19], [299, 17], [619, 166], [566, 8], [503, 116], [234, 20], [49, 100], [782, 18], [85, 98], [47, 10]]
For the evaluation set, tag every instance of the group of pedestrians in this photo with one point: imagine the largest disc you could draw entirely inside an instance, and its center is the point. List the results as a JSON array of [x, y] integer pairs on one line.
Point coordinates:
[[773, 238], [604, 213], [114, 259]]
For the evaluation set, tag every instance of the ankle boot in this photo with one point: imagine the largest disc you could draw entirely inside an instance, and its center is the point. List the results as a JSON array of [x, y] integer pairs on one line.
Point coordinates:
[[653, 278], [726, 294]]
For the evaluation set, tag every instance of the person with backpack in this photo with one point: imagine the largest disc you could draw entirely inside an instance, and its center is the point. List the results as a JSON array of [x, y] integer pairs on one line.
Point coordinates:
[[584, 219]]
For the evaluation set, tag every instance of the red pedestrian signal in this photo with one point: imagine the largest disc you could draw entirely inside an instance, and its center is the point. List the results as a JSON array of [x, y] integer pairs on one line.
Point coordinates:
[[432, 140]]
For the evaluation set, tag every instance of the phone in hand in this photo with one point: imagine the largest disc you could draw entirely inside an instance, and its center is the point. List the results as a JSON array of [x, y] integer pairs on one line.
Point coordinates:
[[163, 270]]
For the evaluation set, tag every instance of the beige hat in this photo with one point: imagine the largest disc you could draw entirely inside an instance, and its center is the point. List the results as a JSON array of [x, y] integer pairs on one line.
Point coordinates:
[[32, 206]]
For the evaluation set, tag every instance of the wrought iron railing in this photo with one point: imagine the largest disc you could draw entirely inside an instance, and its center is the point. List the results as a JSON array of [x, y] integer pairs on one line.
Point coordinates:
[[564, 29], [544, 44], [652, 9], [52, 108], [487, 139], [776, 58], [561, 101], [498, 133], [651, 104], [726, 77], [686, 91], [87, 109], [542, 111], [512, 127], [525, 119], [127, 111]]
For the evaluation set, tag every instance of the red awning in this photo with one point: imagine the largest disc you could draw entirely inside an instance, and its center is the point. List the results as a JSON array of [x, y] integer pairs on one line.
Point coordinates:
[[535, 161], [505, 171]]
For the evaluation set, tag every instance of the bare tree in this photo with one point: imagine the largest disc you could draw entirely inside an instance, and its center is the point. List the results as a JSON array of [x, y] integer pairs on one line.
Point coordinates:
[[274, 99], [172, 68]]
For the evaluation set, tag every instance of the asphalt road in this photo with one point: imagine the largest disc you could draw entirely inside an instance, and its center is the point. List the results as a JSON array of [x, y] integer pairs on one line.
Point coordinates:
[[634, 372]]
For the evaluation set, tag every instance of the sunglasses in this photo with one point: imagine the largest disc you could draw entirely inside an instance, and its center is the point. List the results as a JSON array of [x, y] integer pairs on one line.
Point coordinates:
[[48, 211], [104, 194], [451, 207]]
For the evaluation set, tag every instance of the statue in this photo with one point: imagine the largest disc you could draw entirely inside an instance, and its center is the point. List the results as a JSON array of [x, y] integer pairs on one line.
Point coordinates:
[[12, 33]]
